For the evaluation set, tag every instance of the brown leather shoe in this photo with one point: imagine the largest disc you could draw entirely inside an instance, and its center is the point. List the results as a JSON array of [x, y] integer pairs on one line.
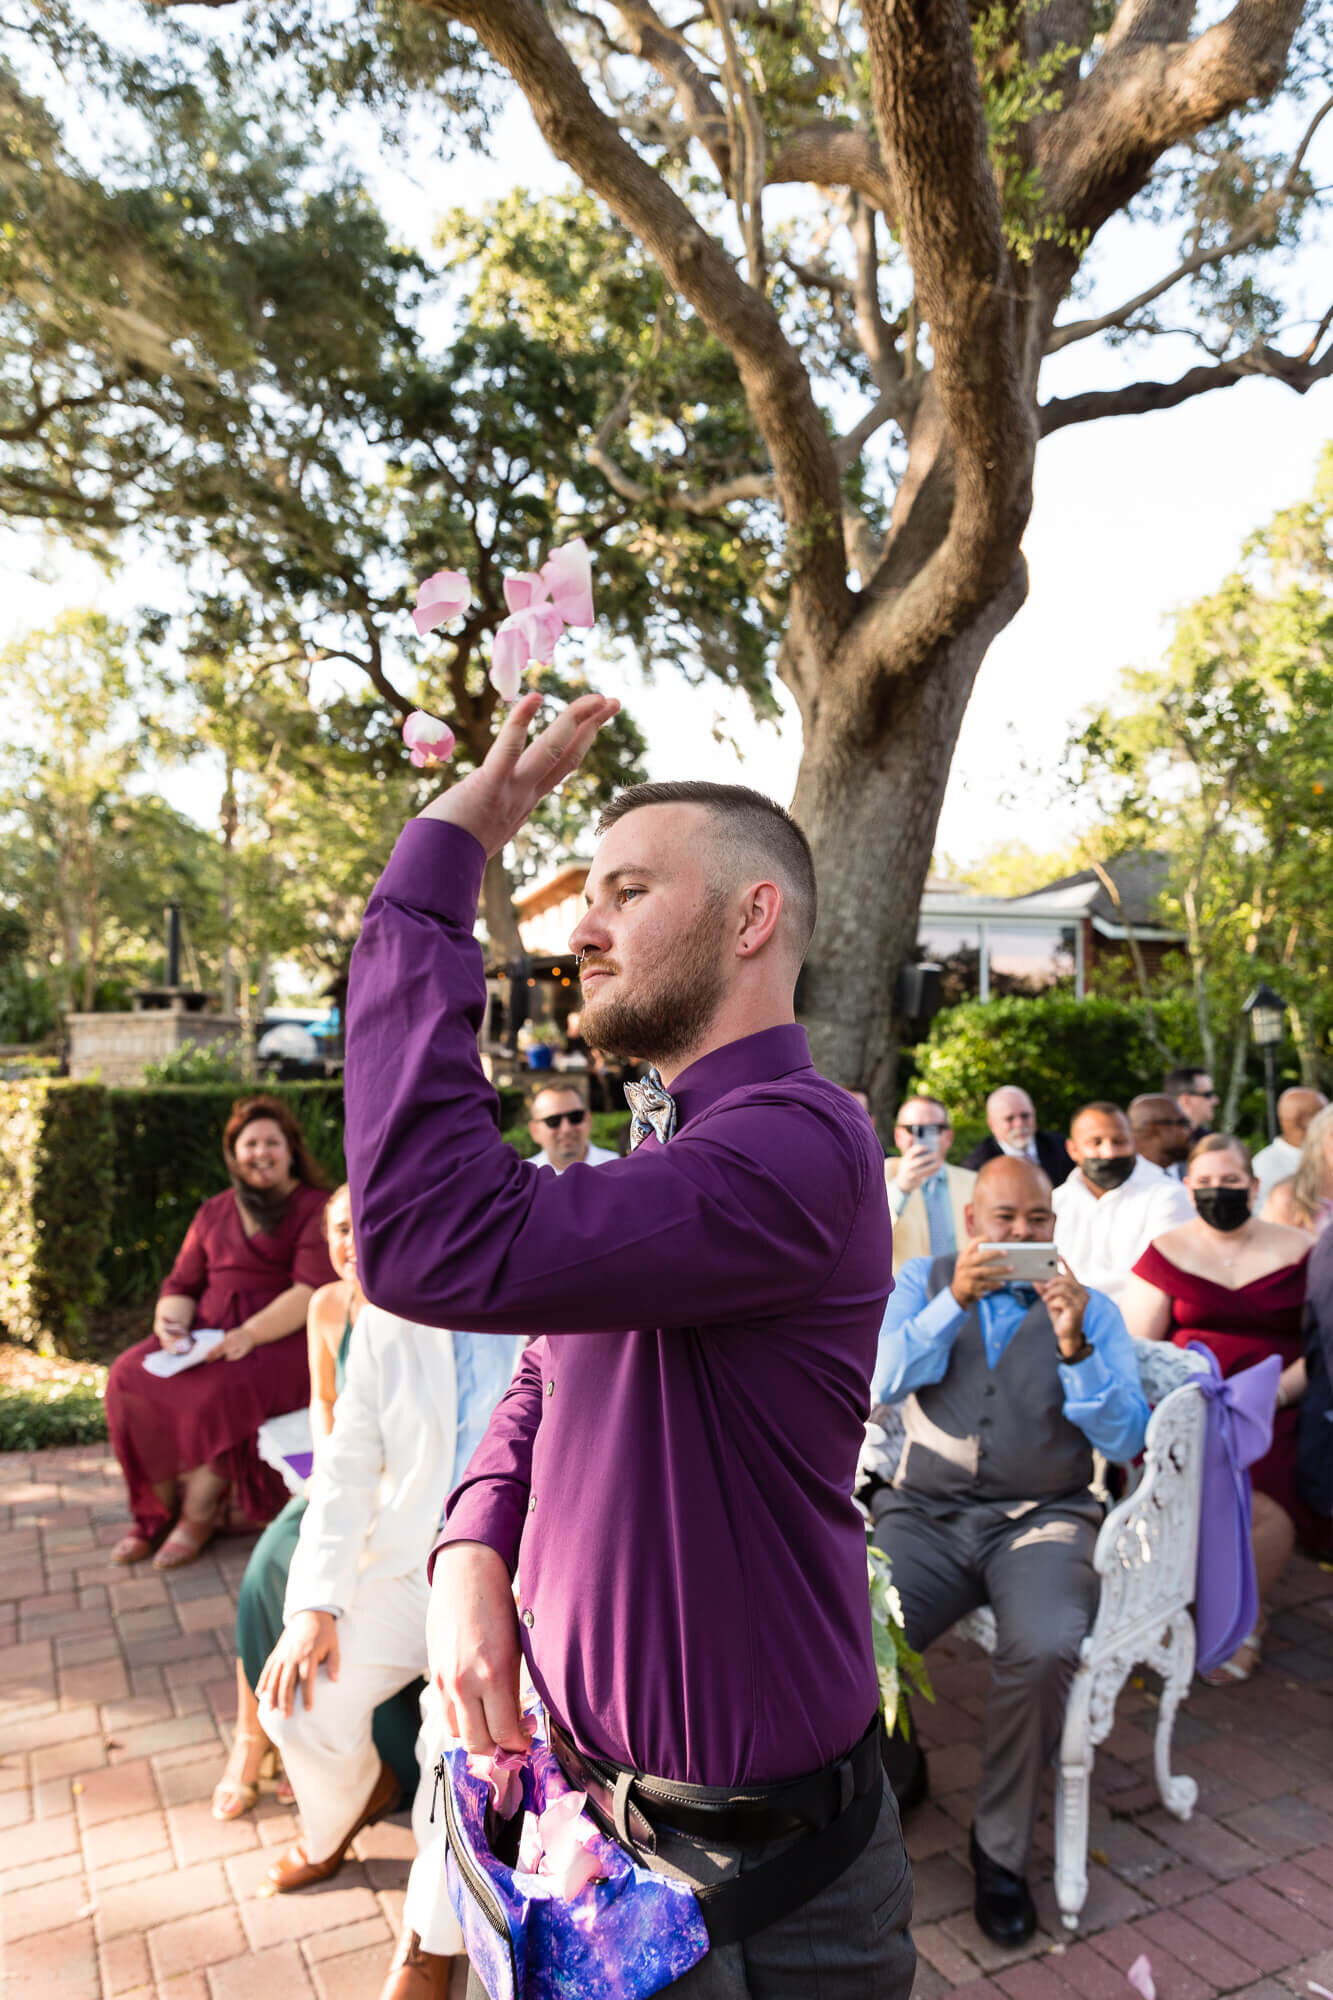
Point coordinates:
[[416, 1974], [293, 1870]]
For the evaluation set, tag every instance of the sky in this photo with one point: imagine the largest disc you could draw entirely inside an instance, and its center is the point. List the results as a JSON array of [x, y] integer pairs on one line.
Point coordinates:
[[1131, 519]]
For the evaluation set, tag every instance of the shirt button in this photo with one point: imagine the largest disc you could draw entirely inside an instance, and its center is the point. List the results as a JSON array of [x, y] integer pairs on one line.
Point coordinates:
[[529, 1620], [532, 1503], [550, 1388]]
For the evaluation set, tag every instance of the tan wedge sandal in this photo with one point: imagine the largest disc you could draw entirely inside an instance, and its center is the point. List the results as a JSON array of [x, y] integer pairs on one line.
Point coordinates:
[[233, 1796]]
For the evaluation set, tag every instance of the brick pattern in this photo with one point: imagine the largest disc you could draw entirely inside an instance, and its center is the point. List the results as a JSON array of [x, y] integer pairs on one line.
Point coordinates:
[[116, 1703]]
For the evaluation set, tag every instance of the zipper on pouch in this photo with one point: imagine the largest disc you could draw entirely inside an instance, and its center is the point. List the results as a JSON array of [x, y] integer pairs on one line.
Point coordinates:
[[478, 1885]]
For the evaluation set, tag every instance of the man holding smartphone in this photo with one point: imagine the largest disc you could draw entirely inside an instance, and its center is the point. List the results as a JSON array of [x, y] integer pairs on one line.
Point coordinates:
[[927, 1197], [1011, 1380]]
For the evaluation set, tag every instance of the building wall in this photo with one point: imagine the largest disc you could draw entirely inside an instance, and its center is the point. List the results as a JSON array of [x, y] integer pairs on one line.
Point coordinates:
[[113, 1048]]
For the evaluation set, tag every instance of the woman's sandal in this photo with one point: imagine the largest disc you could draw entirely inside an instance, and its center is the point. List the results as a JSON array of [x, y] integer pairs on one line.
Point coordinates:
[[132, 1548], [185, 1544], [234, 1796], [1243, 1662]]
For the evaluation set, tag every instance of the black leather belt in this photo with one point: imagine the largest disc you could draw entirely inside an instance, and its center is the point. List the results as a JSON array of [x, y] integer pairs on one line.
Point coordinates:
[[836, 1808]]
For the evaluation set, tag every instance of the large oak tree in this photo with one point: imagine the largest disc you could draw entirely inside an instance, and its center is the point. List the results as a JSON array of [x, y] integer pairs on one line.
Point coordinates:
[[957, 167]]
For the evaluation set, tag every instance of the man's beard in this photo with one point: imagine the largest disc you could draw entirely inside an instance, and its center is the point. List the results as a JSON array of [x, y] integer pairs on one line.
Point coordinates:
[[670, 1014]]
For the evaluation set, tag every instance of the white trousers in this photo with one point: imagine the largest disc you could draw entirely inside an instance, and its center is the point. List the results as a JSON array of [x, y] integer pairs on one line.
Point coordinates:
[[427, 1909]]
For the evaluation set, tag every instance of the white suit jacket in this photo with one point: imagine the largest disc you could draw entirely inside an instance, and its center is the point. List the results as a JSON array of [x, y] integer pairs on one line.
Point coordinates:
[[383, 1474], [911, 1230]]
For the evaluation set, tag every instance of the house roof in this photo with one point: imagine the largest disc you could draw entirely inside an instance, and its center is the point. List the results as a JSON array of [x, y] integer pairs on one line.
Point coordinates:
[[1139, 880]]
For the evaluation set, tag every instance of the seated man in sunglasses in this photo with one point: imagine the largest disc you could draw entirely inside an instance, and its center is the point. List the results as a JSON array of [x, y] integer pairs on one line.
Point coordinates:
[[927, 1197], [559, 1123]]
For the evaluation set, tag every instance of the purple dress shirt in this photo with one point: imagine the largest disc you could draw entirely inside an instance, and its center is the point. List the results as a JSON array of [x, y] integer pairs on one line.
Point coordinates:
[[671, 1469]]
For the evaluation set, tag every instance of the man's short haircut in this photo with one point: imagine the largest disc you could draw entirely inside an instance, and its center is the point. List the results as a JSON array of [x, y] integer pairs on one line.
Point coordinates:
[[1177, 1080], [755, 829], [1101, 1104], [922, 1097], [1003, 1090], [1139, 1112]]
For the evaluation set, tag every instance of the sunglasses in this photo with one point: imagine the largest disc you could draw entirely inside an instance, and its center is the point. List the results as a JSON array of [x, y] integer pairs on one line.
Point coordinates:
[[925, 1131], [560, 1118]]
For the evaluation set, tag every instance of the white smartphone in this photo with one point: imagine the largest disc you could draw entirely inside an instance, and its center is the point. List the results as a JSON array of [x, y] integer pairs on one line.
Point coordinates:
[[1033, 1263]]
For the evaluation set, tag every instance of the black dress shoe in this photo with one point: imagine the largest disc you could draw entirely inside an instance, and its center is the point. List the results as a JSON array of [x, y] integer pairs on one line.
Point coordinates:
[[1004, 1907], [905, 1766]]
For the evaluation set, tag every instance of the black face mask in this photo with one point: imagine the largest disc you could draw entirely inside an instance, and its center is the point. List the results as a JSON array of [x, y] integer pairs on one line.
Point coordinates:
[[1223, 1208], [1109, 1171]]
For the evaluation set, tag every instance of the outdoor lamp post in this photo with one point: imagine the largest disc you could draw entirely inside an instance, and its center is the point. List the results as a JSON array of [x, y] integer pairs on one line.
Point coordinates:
[[1265, 1009]]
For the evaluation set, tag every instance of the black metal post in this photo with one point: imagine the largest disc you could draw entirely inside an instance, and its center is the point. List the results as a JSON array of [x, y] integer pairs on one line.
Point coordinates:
[[1270, 1088], [173, 977]]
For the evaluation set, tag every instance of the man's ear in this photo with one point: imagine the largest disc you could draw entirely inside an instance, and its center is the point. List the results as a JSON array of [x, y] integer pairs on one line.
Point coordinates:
[[761, 912], [1069, 1148], [970, 1220]]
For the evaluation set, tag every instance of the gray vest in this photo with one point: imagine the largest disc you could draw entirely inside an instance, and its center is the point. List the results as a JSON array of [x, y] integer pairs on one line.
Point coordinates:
[[994, 1434]]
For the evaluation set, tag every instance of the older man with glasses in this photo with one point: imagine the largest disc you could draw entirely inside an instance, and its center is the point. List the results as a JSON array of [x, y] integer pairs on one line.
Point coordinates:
[[560, 1125]]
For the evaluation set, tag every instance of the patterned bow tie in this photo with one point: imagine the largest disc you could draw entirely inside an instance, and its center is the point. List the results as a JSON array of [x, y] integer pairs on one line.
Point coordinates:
[[654, 1110]]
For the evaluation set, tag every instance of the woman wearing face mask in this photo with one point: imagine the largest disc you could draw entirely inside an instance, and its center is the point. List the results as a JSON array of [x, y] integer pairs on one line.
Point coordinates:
[[1237, 1284]]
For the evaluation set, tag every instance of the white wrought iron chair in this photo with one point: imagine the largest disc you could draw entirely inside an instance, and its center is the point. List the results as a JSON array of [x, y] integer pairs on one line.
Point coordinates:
[[1146, 1554]]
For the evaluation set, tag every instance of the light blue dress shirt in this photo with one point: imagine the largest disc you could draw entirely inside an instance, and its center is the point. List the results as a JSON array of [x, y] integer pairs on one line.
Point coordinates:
[[483, 1365], [1102, 1393]]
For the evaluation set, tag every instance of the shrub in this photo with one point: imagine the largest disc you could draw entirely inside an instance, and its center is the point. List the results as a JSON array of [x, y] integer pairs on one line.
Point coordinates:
[[56, 1413], [198, 1062], [55, 1209], [1061, 1050], [168, 1161]]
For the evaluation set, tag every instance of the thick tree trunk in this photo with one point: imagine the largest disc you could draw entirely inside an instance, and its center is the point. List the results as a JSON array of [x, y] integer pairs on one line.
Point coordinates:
[[870, 802], [497, 906]]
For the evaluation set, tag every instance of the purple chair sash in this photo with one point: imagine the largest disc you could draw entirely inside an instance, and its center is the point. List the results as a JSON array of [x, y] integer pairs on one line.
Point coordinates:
[[1239, 1430]]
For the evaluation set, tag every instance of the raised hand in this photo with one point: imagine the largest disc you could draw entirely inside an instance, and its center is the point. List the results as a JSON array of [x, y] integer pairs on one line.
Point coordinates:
[[493, 801], [472, 1645]]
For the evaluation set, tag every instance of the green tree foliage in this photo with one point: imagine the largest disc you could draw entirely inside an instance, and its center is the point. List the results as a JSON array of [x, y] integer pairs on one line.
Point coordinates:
[[1222, 760], [86, 861], [1065, 1052]]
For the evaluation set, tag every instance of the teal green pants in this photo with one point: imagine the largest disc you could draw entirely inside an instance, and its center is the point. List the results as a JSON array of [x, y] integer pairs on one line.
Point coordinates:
[[259, 1627]]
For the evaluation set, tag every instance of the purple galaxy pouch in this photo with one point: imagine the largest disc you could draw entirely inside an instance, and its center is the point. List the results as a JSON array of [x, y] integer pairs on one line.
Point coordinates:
[[622, 1938]]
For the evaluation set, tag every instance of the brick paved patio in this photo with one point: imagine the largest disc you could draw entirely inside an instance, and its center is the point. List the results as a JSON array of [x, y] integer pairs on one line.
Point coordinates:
[[117, 1695]]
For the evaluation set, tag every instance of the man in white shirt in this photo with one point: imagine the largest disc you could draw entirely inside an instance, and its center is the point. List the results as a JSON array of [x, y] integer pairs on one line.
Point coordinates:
[[560, 1125], [1295, 1109], [1115, 1204]]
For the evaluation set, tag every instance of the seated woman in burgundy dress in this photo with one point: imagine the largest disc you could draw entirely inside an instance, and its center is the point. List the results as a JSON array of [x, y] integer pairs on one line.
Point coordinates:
[[249, 1263], [1236, 1284]]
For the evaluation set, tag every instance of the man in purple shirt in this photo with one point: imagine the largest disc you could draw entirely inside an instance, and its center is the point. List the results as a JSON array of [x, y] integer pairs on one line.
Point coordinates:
[[670, 1472]]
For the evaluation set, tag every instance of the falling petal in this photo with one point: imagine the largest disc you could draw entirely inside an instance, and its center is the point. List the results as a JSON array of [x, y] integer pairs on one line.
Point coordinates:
[[440, 598], [524, 590], [567, 573], [1140, 1977], [509, 658], [429, 740]]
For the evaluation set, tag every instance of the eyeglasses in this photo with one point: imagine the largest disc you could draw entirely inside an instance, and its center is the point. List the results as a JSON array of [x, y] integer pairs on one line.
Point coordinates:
[[560, 1118]]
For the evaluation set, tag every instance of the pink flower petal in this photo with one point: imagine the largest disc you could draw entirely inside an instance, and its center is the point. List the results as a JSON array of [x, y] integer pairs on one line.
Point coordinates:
[[530, 1844], [1140, 1977], [509, 658], [504, 1774], [448, 590], [580, 1869], [567, 573], [429, 740], [428, 617], [524, 590], [541, 627]]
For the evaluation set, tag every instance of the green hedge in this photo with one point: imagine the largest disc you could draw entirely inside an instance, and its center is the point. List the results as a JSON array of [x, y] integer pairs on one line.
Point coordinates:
[[1061, 1050], [57, 1413], [98, 1187], [56, 1184]]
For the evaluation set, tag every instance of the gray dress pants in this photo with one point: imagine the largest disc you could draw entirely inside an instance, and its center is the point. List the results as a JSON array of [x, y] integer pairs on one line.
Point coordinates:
[[850, 1943], [1035, 1571]]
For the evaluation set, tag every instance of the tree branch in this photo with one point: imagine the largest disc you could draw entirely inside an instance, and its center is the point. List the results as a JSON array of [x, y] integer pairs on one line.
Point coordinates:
[[1151, 91], [1298, 372], [703, 114], [933, 132], [777, 389], [829, 154], [1267, 214], [712, 500]]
